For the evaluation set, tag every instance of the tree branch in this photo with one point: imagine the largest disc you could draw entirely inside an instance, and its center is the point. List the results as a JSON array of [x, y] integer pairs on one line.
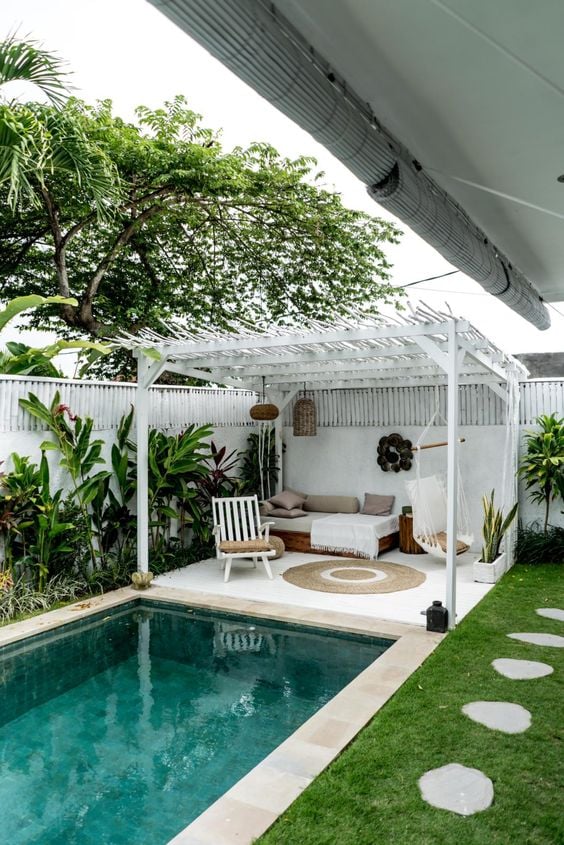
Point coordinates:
[[86, 316]]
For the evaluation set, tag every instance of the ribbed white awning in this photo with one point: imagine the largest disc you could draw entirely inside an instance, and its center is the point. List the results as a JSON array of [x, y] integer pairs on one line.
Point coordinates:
[[449, 112]]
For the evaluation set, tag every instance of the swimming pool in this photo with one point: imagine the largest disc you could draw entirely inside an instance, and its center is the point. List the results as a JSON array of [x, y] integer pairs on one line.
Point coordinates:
[[123, 727]]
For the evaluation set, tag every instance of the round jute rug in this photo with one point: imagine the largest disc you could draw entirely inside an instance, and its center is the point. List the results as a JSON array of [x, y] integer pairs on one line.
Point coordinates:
[[348, 575]]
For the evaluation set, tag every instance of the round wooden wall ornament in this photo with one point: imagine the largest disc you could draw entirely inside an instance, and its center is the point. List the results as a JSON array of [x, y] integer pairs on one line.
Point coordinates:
[[394, 453]]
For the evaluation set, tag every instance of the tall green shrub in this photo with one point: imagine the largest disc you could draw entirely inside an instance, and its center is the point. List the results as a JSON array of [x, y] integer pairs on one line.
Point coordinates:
[[36, 534], [542, 467], [176, 464], [79, 454]]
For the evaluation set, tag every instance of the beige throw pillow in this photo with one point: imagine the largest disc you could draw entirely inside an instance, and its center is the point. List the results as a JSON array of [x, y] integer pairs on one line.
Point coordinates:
[[377, 505], [287, 499], [293, 513]]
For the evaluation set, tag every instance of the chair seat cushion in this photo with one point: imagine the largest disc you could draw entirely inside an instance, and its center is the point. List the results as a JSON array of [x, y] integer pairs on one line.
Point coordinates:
[[239, 546]]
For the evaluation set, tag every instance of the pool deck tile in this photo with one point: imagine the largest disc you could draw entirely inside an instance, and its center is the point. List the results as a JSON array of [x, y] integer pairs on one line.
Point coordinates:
[[270, 788], [226, 822], [298, 757]]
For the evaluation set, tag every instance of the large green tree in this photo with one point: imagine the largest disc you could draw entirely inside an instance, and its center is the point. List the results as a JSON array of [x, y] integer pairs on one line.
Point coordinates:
[[154, 219]]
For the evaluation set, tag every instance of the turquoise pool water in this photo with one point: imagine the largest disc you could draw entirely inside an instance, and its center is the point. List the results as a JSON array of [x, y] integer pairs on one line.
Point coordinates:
[[122, 728]]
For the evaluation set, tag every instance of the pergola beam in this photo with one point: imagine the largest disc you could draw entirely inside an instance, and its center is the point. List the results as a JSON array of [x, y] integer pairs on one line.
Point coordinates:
[[341, 335], [482, 358], [344, 384], [182, 369], [307, 356], [314, 369], [369, 372]]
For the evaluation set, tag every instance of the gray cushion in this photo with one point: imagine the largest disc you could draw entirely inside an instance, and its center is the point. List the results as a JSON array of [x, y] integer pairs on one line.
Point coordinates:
[[287, 499], [377, 505], [331, 504], [293, 513]]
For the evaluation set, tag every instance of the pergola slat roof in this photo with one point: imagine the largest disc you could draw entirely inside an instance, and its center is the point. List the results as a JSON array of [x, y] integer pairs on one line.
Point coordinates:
[[356, 350]]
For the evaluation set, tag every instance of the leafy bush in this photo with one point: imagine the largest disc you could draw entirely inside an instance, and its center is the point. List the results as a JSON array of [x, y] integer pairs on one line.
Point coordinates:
[[89, 537], [535, 545], [20, 598], [542, 466]]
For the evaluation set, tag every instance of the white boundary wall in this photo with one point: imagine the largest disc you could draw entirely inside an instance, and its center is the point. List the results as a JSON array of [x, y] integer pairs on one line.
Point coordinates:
[[341, 459]]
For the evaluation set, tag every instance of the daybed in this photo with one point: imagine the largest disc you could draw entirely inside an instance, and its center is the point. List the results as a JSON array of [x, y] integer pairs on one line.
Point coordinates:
[[296, 533]]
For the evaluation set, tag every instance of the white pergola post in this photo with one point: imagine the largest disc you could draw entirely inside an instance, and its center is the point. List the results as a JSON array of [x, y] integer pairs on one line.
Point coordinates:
[[142, 420], [452, 472], [512, 484]]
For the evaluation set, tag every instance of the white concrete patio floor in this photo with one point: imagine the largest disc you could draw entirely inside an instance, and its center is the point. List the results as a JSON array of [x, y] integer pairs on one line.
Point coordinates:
[[403, 606]]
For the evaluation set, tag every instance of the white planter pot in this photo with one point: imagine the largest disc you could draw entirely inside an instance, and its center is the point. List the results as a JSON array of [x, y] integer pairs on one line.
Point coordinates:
[[490, 573]]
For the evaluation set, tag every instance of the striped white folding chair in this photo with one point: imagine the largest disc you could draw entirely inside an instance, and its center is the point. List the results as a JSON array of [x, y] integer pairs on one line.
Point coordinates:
[[239, 533]]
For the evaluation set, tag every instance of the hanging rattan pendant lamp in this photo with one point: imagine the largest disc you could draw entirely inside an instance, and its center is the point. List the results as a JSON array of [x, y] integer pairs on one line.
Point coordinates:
[[305, 417], [264, 411]]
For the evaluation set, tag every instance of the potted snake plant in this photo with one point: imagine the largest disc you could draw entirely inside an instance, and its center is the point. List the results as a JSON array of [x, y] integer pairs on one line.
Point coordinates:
[[493, 563]]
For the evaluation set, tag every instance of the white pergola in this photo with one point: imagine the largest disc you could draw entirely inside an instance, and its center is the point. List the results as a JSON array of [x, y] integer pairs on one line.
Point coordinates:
[[413, 348]]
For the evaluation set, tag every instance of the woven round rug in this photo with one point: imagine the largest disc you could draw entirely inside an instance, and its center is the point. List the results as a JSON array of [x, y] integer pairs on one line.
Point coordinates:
[[348, 575]]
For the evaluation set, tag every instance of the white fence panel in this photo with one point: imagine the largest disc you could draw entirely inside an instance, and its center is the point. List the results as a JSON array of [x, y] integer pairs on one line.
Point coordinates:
[[175, 406], [107, 402]]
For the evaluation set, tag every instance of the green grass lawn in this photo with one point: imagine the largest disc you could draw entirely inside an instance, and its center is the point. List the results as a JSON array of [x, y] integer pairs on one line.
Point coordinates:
[[369, 795]]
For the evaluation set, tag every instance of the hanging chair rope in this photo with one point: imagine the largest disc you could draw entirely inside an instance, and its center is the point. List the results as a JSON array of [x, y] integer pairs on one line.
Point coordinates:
[[428, 498]]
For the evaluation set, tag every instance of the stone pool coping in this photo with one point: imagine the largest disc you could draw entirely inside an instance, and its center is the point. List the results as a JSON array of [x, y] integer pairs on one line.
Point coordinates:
[[254, 803]]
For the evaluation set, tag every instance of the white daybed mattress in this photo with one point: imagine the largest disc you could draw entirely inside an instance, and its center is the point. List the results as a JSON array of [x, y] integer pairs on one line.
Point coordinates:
[[356, 533], [301, 523]]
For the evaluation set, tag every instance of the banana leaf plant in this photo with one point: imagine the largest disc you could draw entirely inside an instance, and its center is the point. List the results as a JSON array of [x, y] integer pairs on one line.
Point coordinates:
[[19, 359], [494, 527], [79, 454], [51, 534], [176, 464], [36, 536], [113, 520]]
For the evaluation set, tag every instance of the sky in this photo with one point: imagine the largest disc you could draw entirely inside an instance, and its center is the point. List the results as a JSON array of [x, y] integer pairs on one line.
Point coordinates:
[[127, 51]]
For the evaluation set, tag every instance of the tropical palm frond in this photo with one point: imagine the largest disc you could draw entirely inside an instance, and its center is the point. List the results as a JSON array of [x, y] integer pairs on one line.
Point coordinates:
[[26, 61], [37, 142]]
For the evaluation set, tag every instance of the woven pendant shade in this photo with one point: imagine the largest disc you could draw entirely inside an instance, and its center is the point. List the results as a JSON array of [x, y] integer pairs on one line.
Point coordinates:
[[264, 411], [305, 418]]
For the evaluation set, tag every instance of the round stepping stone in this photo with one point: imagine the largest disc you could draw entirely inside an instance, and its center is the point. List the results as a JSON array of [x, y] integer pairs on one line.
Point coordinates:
[[521, 670], [499, 716], [457, 788], [553, 640], [551, 613]]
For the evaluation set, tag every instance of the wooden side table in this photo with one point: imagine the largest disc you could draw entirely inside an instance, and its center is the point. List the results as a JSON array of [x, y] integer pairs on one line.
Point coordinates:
[[407, 544]]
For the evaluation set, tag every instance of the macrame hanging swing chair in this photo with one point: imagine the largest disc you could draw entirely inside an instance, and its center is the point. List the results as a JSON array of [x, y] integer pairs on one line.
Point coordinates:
[[428, 497]]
